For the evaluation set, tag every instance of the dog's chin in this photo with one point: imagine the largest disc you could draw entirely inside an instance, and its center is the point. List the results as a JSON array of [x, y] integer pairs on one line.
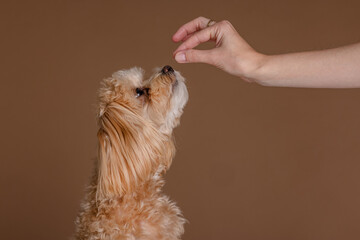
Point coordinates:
[[180, 94], [178, 101]]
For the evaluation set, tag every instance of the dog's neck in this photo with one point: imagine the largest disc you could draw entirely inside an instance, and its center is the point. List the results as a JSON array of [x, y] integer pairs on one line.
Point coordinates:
[[146, 189]]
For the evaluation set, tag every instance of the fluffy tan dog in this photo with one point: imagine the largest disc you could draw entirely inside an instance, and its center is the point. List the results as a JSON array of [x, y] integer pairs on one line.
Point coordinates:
[[136, 119]]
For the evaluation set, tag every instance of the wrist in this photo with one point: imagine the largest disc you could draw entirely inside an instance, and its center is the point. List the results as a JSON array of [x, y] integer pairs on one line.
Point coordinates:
[[252, 70]]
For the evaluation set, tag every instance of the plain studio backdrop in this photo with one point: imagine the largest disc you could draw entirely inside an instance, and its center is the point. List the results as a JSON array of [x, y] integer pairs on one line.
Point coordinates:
[[252, 162]]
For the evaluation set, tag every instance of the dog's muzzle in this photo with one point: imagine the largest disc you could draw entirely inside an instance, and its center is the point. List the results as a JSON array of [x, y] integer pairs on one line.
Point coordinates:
[[167, 70]]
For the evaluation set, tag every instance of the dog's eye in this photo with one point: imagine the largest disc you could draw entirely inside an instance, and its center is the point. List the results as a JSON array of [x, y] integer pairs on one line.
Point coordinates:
[[139, 92], [142, 91]]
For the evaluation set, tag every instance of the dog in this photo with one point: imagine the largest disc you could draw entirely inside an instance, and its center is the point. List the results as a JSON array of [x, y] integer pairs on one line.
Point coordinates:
[[136, 118]]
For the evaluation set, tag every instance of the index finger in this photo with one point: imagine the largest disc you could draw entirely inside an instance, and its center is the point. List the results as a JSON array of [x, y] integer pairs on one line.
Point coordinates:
[[207, 34], [190, 27]]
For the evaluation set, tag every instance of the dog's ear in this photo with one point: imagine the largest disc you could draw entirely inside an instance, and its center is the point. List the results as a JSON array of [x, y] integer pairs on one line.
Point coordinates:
[[130, 150]]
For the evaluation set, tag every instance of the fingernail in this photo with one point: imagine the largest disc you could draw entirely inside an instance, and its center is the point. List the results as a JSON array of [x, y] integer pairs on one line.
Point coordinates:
[[180, 57]]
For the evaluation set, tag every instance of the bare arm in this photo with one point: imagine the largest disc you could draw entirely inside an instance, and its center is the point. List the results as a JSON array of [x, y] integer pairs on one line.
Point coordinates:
[[332, 68]]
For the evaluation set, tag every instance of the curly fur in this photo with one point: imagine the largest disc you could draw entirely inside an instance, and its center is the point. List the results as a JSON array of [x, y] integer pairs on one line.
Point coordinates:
[[136, 147]]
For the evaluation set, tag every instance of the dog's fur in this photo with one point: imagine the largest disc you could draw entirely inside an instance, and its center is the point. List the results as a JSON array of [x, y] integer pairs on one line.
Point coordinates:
[[136, 119]]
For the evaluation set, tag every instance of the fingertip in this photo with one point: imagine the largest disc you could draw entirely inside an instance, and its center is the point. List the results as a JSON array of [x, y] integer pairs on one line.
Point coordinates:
[[180, 57], [175, 53], [179, 35], [179, 49], [175, 38]]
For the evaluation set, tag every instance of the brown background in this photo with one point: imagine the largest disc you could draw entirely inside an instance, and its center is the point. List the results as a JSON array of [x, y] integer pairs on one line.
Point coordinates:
[[253, 162]]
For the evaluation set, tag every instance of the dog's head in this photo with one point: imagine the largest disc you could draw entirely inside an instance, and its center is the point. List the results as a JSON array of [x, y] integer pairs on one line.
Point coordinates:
[[136, 119]]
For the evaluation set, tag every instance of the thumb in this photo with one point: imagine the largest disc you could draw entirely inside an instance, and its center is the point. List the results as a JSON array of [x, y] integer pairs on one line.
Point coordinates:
[[195, 56]]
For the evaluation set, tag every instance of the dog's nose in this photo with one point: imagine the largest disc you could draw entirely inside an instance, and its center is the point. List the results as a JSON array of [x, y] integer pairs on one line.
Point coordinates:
[[167, 69]]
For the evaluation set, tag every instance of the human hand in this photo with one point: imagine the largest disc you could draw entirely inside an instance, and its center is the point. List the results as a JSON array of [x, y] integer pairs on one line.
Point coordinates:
[[231, 53]]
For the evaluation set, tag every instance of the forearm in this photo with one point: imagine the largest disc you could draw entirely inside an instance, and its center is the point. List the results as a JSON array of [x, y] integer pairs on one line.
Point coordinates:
[[333, 68]]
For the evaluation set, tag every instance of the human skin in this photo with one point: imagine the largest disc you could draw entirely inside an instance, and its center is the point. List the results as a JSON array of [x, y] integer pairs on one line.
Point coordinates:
[[331, 68]]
